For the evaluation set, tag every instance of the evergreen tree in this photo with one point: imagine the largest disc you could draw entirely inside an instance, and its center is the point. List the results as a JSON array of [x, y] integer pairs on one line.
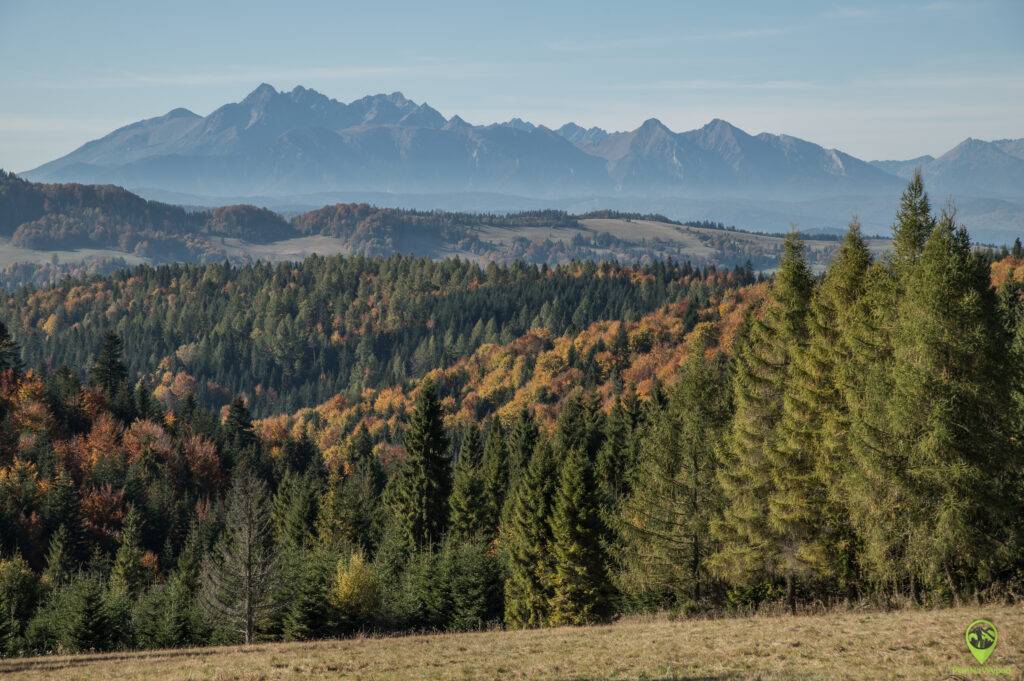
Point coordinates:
[[239, 575], [238, 431], [665, 519], [949, 414], [580, 424], [468, 507], [808, 457], [108, 372], [761, 371], [295, 510], [494, 474], [526, 537], [10, 353], [127, 577], [581, 590], [308, 613], [616, 458], [420, 497], [914, 222], [522, 439]]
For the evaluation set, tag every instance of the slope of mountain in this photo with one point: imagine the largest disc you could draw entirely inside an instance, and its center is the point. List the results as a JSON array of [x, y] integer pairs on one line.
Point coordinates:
[[973, 167]]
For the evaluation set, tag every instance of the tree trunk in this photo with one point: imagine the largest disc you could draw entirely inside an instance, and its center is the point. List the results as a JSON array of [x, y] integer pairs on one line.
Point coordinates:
[[791, 593]]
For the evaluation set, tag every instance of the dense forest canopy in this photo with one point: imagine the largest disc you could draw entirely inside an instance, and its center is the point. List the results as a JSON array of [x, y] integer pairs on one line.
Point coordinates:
[[690, 440], [288, 336]]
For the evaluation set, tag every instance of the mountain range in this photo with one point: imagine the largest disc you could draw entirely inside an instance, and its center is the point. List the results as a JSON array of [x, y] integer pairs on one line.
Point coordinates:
[[280, 145]]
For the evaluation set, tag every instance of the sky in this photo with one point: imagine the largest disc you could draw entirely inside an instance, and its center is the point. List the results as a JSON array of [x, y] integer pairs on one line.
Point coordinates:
[[891, 79]]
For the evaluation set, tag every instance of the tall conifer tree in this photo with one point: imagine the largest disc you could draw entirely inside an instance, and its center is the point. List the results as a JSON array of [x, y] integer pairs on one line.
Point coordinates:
[[745, 470], [420, 495]]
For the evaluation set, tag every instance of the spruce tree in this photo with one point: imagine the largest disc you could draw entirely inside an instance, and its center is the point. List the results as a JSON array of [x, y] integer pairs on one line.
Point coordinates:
[[127, 577], [84, 623], [808, 455], [664, 520], [522, 439], [494, 475], [581, 589], [526, 537], [745, 471], [239, 575], [108, 371], [468, 507], [914, 222], [950, 414], [307, 613], [420, 494]]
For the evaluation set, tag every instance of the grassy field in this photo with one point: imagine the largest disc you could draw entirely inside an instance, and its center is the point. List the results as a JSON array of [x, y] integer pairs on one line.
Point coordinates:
[[868, 646]]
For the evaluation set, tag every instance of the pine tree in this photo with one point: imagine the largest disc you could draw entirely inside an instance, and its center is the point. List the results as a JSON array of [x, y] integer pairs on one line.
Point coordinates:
[[420, 494], [664, 520], [526, 537], [808, 457], [468, 507], [761, 371], [581, 590], [108, 372], [239, 575]]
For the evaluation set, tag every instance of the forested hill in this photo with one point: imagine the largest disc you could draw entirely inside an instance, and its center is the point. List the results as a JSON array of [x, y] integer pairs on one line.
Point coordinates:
[[48, 231], [293, 335]]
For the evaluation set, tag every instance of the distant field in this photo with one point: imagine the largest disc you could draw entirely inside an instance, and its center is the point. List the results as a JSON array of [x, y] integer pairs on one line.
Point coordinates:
[[288, 250], [851, 646], [10, 253]]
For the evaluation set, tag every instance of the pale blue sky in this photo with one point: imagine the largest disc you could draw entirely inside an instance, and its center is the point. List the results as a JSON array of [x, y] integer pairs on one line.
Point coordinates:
[[877, 79]]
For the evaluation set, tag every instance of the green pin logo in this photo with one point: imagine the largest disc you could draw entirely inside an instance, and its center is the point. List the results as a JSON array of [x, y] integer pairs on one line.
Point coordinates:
[[981, 639]]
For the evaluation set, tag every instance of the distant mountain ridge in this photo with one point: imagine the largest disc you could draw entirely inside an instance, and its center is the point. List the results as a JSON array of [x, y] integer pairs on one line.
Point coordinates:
[[301, 141], [974, 167], [277, 147]]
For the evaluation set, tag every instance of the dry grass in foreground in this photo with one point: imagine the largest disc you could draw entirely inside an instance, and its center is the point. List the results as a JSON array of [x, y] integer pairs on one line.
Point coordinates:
[[870, 646]]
